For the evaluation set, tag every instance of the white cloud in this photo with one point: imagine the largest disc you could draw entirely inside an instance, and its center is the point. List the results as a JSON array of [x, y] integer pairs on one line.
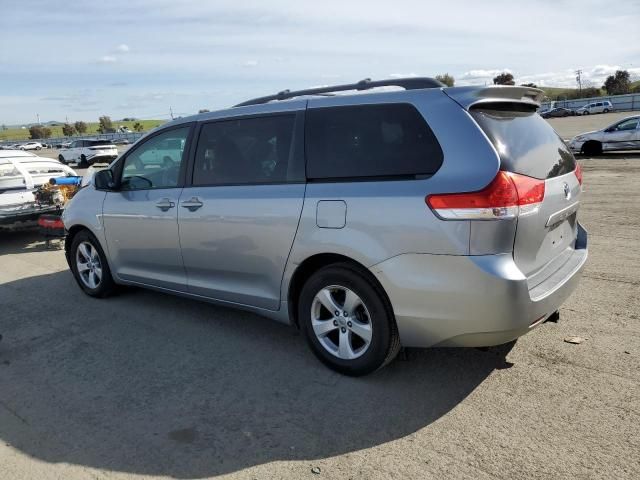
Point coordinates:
[[122, 48], [403, 75], [250, 63], [480, 76], [591, 76], [107, 59]]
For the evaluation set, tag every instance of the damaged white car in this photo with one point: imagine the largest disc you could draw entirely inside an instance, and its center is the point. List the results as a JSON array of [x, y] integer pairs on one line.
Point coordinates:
[[22, 175]]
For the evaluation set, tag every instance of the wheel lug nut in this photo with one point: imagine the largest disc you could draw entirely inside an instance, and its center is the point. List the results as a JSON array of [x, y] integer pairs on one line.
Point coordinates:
[[345, 314], [335, 323], [343, 330], [337, 313], [349, 324]]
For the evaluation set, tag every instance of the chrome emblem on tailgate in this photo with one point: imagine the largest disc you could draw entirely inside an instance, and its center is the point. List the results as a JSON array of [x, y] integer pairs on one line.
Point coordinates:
[[567, 191]]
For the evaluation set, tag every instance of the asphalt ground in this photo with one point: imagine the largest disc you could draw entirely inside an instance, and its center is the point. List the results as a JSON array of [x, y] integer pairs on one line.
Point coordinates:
[[145, 385]]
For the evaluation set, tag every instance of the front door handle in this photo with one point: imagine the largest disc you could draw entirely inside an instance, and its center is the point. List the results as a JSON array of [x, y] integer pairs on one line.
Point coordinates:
[[165, 204], [193, 204]]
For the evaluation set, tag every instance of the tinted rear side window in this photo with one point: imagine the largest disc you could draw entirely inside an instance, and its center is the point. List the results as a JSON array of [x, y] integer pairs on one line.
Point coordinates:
[[246, 151], [387, 140], [526, 143]]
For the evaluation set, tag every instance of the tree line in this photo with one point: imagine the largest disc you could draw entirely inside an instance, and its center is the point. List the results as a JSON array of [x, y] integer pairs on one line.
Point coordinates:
[[617, 84], [79, 128]]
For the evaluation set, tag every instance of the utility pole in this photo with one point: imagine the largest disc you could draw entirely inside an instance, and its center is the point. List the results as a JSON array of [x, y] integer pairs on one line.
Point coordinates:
[[579, 80], [38, 117], [171, 112]]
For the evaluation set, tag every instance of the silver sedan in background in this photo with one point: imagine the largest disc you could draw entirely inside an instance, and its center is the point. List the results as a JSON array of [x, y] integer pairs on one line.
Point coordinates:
[[622, 135]]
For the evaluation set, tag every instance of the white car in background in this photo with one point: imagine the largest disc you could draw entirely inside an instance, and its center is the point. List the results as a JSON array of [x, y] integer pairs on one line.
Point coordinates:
[[21, 173], [88, 152], [31, 146], [622, 135], [595, 107]]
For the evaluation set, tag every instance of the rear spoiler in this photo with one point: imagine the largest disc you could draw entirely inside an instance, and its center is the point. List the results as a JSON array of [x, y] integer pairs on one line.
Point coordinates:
[[468, 97]]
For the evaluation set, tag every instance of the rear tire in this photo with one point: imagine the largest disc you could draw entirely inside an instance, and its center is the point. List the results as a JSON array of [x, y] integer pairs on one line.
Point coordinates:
[[362, 337], [90, 267], [83, 162]]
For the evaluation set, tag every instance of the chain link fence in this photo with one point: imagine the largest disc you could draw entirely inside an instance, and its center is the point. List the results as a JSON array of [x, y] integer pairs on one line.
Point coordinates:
[[620, 103]]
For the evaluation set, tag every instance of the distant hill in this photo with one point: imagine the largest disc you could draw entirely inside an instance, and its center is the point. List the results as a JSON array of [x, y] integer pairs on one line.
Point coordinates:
[[555, 92]]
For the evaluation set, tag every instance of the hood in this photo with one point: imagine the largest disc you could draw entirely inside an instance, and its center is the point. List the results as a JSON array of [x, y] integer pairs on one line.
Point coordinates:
[[584, 134]]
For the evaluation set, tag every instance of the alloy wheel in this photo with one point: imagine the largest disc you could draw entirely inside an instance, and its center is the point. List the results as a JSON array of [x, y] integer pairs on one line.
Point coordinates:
[[88, 265], [341, 322]]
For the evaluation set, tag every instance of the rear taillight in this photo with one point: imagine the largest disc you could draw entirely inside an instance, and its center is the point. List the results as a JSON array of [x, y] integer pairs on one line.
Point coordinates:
[[507, 196], [50, 221], [578, 172]]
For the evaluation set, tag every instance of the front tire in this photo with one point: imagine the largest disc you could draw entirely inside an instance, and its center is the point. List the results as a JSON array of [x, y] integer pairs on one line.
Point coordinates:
[[592, 148], [347, 320], [606, 110], [90, 267], [61, 159], [83, 162]]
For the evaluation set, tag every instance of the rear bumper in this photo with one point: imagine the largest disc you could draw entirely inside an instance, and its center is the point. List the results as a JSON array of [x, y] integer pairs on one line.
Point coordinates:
[[473, 301], [576, 146], [101, 158], [27, 218]]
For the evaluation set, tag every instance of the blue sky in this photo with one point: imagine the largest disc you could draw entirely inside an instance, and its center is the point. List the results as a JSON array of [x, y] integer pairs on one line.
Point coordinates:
[[79, 60]]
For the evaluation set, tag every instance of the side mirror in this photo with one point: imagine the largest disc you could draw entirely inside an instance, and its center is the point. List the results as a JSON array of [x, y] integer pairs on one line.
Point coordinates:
[[103, 180], [609, 129]]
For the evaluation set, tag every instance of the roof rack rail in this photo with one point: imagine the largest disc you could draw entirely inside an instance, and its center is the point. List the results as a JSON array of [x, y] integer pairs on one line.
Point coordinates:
[[411, 83]]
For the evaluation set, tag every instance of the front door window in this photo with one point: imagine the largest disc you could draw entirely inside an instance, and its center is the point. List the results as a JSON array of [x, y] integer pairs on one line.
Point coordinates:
[[156, 163]]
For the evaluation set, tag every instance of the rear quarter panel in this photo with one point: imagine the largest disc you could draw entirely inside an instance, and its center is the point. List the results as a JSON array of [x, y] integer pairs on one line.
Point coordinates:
[[389, 218]]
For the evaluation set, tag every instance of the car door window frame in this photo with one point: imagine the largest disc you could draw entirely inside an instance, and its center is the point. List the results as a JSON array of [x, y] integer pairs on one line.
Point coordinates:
[[297, 141], [118, 167], [618, 129]]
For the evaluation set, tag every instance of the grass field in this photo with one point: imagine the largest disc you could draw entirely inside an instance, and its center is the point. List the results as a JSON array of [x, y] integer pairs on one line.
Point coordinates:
[[19, 134]]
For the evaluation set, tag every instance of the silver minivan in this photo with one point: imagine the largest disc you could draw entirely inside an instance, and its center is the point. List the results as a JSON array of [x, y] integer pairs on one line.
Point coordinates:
[[426, 216], [603, 106]]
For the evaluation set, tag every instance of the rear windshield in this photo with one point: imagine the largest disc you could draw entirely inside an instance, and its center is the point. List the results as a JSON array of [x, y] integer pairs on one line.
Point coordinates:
[[526, 143], [95, 143]]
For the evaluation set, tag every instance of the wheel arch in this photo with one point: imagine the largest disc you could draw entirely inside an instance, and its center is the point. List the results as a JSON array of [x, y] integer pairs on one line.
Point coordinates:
[[72, 232], [315, 262], [591, 147]]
